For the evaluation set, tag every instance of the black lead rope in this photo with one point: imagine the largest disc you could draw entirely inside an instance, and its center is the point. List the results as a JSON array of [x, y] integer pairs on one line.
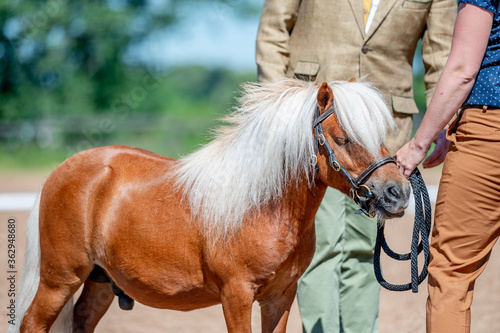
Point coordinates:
[[421, 231]]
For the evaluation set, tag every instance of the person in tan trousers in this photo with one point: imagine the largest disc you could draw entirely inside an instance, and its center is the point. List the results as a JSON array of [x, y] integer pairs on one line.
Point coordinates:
[[467, 219], [329, 40]]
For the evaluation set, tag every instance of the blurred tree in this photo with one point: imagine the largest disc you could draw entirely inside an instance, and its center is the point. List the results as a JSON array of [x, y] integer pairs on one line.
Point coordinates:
[[67, 55]]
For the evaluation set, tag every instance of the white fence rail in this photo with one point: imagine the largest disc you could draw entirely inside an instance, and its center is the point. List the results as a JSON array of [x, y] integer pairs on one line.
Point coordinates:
[[24, 201]]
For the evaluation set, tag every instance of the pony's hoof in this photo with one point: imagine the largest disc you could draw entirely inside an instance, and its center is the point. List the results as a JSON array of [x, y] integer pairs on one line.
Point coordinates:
[[125, 302]]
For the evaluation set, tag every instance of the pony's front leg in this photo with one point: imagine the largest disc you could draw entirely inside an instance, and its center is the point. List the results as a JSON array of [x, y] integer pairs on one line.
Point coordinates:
[[276, 309], [237, 300]]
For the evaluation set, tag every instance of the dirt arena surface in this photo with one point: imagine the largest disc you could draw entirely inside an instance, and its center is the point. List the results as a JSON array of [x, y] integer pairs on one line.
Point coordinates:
[[399, 312]]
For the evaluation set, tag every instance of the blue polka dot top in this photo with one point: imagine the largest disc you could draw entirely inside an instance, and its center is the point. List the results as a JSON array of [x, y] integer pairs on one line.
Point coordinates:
[[486, 90]]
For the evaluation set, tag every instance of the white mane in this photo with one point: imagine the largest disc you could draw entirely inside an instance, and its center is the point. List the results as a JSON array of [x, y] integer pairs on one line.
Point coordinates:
[[267, 144]]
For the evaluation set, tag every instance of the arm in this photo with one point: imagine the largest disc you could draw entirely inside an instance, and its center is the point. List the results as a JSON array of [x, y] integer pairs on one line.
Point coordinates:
[[272, 47], [470, 39], [436, 42]]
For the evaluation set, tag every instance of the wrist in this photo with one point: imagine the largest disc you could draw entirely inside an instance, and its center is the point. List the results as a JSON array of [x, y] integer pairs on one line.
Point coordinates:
[[421, 145]]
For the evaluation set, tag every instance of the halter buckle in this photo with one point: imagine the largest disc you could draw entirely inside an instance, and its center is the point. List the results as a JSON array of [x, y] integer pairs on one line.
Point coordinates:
[[313, 160], [335, 165], [321, 139]]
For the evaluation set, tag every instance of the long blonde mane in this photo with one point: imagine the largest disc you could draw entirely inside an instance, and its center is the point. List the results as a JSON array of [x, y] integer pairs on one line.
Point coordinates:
[[267, 144]]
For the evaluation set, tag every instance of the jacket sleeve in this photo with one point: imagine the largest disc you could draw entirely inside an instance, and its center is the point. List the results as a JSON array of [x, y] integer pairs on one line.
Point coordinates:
[[272, 46], [436, 42]]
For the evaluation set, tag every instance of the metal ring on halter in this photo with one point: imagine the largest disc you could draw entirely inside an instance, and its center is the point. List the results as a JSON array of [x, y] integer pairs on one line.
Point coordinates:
[[367, 188]]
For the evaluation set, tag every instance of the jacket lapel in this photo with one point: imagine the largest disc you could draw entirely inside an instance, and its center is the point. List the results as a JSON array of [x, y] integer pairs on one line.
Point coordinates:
[[384, 7], [357, 10]]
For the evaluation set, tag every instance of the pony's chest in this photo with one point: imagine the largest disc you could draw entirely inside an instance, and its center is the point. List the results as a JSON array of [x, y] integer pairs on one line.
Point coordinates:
[[286, 271], [279, 258]]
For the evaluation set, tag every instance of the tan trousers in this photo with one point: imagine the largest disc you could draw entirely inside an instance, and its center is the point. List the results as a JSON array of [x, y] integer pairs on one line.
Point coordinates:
[[467, 220]]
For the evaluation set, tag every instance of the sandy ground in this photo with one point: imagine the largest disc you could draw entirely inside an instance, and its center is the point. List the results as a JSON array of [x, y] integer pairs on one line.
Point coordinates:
[[399, 312]]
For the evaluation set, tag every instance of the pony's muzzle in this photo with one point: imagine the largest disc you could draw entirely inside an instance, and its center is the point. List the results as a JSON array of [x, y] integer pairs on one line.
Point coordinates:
[[392, 198]]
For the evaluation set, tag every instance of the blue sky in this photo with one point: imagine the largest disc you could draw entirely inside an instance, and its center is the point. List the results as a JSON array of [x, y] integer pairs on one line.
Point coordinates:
[[213, 35]]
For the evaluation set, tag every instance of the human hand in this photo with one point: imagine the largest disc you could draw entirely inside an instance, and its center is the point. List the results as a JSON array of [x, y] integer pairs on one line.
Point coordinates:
[[409, 157], [440, 150]]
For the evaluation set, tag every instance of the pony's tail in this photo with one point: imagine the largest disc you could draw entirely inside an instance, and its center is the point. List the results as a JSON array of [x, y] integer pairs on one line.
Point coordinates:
[[31, 277]]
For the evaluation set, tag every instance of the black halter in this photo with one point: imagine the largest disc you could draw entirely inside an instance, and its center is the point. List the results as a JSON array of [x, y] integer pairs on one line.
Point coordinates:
[[360, 193]]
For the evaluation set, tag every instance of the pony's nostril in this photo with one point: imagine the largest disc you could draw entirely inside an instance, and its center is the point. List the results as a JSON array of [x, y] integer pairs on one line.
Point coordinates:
[[392, 193]]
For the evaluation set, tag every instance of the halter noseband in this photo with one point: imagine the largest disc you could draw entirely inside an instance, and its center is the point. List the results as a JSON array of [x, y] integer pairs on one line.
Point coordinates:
[[360, 193]]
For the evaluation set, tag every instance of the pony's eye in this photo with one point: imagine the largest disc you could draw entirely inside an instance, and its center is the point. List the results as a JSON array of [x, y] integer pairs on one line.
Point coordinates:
[[342, 141]]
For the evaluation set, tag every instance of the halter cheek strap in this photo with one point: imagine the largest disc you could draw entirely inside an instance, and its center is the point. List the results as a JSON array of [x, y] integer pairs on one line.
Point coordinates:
[[359, 192]]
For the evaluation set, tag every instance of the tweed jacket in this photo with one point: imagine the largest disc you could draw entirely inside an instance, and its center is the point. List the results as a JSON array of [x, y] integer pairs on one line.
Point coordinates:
[[325, 40]]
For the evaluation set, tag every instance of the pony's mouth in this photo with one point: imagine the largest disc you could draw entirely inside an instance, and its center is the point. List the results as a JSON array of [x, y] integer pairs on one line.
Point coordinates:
[[381, 211]]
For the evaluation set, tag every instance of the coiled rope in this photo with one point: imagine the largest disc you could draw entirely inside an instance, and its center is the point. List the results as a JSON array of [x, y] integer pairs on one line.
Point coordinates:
[[421, 231]]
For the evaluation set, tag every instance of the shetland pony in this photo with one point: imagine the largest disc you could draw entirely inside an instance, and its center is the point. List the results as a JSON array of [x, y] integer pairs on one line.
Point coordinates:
[[232, 223]]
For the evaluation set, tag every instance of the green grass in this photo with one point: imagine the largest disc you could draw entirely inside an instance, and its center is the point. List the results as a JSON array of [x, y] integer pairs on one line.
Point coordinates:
[[172, 136], [29, 157]]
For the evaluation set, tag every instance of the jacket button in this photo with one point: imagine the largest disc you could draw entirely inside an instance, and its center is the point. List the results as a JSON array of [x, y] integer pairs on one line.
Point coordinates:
[[364, 49]]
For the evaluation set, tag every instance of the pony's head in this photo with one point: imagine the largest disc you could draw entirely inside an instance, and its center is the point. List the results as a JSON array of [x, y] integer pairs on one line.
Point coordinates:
[[354, 132]]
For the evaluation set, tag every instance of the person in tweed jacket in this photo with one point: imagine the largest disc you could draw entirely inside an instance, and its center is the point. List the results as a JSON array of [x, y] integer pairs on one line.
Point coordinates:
[[336, 40]]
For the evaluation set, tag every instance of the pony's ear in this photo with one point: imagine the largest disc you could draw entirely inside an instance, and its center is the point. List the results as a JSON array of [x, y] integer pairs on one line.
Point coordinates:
[[352, 79], [325, 97]]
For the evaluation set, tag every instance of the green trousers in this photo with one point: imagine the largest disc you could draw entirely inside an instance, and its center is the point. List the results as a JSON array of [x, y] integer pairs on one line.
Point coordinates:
[[339, 292]]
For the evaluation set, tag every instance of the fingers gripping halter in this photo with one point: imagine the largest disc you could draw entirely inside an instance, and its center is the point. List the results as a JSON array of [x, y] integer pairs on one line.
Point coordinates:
[[360, 193]]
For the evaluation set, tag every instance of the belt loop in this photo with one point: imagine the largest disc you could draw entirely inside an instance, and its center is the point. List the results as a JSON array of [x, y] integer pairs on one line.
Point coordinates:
[[485, 107]]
